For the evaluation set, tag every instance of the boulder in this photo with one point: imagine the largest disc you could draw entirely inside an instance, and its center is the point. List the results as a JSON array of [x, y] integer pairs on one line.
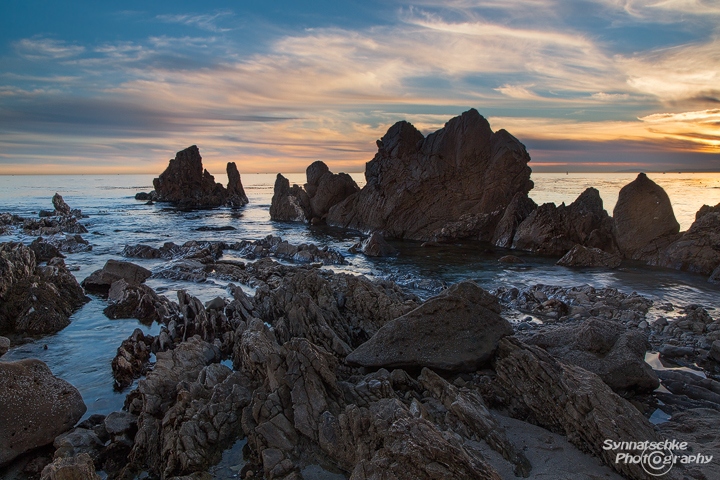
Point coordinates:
[[553, 230], [79, 467], [580, 256], [61, 207], [36, 407], [416, 185], [605, 348], [457, 330], [697, 249], [139, 301], [186, 184], [643, 216], [376, 246], [100, 280], [571, 400], [289, 204], [35, 299]]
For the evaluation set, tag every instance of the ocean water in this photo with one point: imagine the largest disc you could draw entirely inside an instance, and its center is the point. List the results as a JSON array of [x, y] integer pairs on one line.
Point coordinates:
[[82, 352]]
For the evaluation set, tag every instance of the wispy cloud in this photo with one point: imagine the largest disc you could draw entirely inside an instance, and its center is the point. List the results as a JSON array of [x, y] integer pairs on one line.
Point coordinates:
[[207, 22], [39, 48]]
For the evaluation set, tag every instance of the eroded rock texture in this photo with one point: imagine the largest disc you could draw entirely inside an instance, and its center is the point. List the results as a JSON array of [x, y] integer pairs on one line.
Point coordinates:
[[417, 185]]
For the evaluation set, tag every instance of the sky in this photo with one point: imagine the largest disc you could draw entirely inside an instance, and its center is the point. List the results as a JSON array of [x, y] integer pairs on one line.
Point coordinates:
[[119, 87]]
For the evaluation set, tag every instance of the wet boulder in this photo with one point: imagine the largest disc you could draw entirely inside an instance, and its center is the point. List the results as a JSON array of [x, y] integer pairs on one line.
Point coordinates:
[[644, 219], [581, 256], [100, 280], [377, 246], [36, 407], [416, 185], [457, 330]]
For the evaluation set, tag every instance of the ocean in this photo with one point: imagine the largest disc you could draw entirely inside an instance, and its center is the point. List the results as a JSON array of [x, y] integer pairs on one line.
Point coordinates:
[[82, 352]]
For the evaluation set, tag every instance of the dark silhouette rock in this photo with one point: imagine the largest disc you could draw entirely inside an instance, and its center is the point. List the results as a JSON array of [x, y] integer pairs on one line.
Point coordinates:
[[135, 300], [417, 185], [36, 407], [457, 330], [311, 203], [186, 184], [61, 207], [580, 256], [376, 246], [697, 249], [35, 299], [644, 219], [44, 251], [552, 230], [289, 204], [100, 280]]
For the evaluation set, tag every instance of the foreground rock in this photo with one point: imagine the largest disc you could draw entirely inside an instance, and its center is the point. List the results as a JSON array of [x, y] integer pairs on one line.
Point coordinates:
[[186, 184], [377, 246], [572, 400], [457, 330], [100, 280], [605, 348], [644, 219], [35, 299], [323, 190], [551, 230], [477, 171], [272, 246], [36, 407], [80, 467]]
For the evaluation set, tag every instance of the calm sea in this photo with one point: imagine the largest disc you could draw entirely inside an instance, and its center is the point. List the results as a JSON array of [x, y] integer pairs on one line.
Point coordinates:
[[82, 352]]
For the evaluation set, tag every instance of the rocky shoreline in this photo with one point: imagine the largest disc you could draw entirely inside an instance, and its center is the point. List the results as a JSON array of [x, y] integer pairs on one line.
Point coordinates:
[[317, 370]]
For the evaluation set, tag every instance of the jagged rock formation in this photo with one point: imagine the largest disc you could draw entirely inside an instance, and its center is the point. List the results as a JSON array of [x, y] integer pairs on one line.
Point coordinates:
[[102, 279], [552, 230], [311, 203], [272, 246], [376, 246], [644, 219], [186, 184], [36, 407], [457, 330], [521, 206], [417, 185], [35, 299]]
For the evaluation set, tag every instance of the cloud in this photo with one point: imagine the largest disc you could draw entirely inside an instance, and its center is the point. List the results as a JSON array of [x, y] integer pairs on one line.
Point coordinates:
[[39, 48], [207, 22]]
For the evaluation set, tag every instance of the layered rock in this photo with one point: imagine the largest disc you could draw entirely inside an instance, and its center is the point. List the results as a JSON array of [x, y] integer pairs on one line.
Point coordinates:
[[457, 330], [571, 400], [554, 230], [35, 299], [311, 203], [36, 407], [135, 300], [697, 249], [521, 206], [101, 280], [417, 185], [644, 219], [186, 184]]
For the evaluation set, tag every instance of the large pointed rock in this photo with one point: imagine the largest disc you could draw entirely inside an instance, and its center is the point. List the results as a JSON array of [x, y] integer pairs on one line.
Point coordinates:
[[457, 330], [643, 216], [416, 185]]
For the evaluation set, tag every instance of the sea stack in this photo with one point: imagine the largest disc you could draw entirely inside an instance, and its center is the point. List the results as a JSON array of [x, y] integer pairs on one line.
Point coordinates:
[[187, 184], [417, 185]]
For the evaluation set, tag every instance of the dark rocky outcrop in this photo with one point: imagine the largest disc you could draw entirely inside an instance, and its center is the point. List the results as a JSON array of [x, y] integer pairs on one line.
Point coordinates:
[[457, 330], [44, 251], [311, 203], [698, 249], [36, 407], [580, 256], [644, 219], [521, 206], [376, 246], [186, 184], [605, 348], [132, 358], [571, 400], [553, 230], [35, 299], [416, 185], [135, 300], [61, 208], [100, 280]]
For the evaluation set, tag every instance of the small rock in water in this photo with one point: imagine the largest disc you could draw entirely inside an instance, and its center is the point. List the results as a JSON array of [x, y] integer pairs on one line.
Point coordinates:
[[510, 259]]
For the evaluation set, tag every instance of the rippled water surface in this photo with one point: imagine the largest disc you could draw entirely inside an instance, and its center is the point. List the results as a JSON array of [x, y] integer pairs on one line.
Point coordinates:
[[82, 352]]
